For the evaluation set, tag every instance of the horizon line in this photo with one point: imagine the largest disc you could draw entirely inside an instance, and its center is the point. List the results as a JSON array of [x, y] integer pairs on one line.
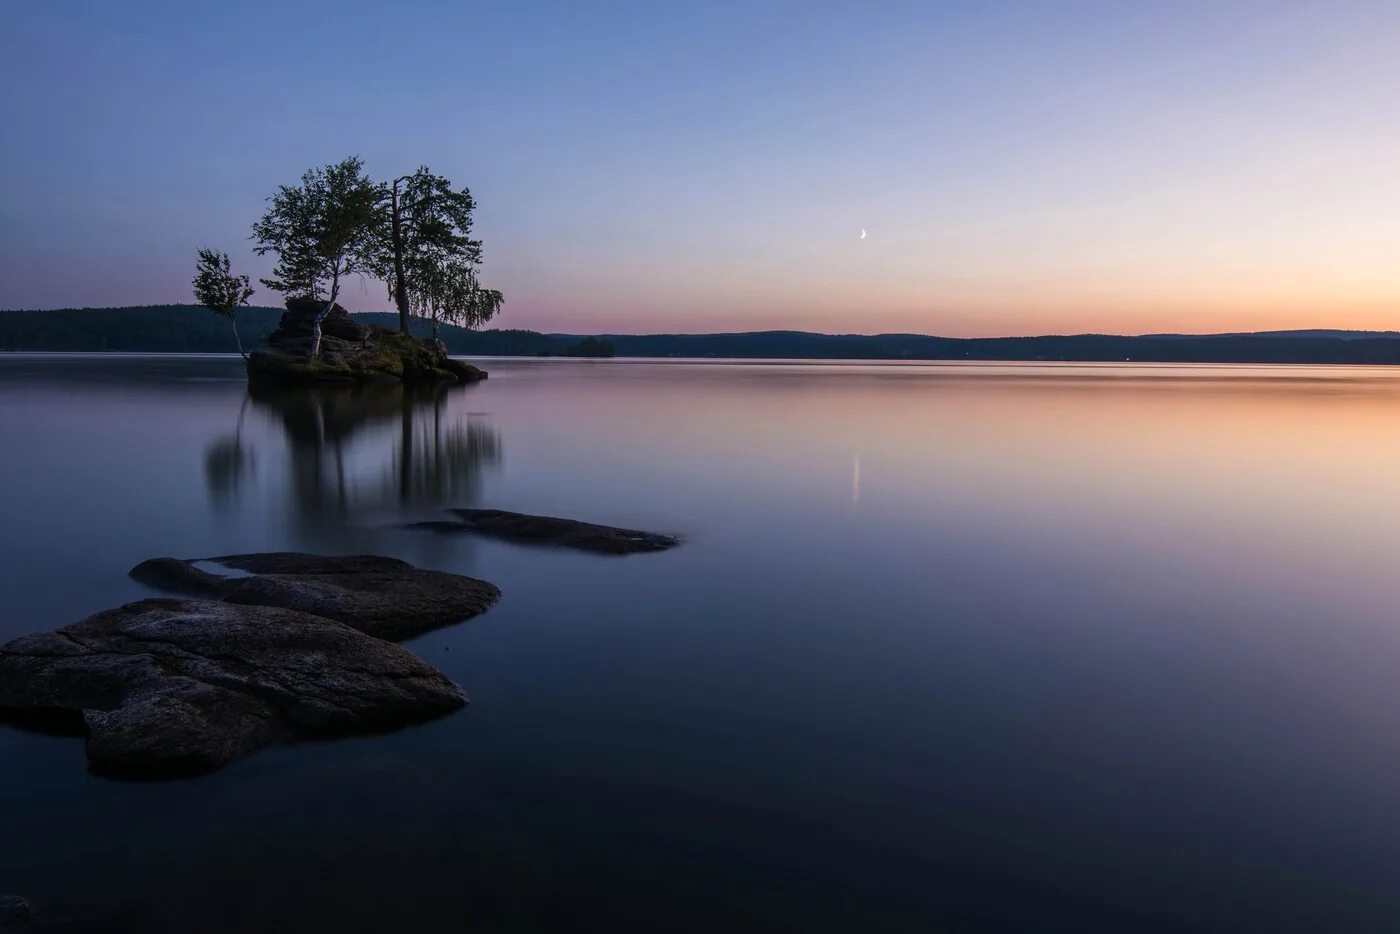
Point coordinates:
[[1060, 334]]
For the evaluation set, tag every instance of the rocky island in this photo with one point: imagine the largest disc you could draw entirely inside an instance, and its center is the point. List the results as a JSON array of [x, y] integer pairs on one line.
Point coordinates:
[[412, 233], [350, 352]]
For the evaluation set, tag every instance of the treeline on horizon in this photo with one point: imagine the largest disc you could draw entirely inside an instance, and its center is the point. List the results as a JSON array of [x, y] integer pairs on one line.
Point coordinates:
[[190, 329]]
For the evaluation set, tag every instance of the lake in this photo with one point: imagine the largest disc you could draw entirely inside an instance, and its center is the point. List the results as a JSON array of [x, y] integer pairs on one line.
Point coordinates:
[[948, 647]]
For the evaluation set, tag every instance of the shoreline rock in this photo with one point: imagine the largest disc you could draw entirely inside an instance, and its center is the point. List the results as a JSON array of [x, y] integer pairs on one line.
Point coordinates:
[[168, 688], [382, 597], [284, 646], [15, 911], [523, 528]]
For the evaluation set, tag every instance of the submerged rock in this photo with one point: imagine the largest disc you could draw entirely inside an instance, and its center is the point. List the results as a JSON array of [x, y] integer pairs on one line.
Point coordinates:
[[382, 597], [548, 530], [167, 687], [14, 911]]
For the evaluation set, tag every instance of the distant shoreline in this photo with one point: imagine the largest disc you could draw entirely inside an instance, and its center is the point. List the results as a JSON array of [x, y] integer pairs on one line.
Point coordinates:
[[188, 329]]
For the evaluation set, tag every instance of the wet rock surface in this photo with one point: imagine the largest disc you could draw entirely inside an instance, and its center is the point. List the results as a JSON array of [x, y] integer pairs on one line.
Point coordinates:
[[14, 911], [548, 530], [381, 597], [167, 687]]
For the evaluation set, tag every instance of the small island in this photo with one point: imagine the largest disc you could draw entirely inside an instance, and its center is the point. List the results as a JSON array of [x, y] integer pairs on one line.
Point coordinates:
[[350, 352], [413, 233]]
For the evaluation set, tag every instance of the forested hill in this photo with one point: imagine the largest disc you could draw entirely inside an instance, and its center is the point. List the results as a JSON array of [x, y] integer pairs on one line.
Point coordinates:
[[195, 329], [192, 329]]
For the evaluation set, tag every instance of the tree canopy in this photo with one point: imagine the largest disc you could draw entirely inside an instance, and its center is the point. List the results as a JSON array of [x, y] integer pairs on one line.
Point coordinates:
[[322, 230], [428, 258], [446, 291], [414, 233], [218, 289]]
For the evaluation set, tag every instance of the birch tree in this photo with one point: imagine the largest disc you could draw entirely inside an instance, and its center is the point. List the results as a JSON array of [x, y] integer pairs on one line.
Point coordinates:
[[427, 256], [446, 291], [322, 230], [219, 290]]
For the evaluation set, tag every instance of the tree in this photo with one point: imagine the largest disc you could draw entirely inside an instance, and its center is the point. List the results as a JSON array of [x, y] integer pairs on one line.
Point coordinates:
[[427, 256], [322, 230], [219, 290], [447, 291]]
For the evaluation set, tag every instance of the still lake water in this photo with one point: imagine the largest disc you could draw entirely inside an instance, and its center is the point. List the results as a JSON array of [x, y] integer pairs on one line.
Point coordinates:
[[948, 647]]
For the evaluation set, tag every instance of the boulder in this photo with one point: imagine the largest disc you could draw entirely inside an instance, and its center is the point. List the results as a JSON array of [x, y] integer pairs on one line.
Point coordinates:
[[548, 530], [350, 352], [301, 314], [381, 597], [14, 911], [167, 687]]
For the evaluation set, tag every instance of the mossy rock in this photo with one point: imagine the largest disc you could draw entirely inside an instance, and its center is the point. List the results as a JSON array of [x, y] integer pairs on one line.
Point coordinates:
[[463, 371], [382, 356], [280, 367]]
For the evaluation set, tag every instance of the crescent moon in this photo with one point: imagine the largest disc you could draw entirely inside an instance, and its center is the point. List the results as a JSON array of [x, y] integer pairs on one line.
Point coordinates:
[[862, 233]]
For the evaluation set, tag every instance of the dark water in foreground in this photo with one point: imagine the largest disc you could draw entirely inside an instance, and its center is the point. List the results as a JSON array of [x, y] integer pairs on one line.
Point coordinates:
[[948, 648]]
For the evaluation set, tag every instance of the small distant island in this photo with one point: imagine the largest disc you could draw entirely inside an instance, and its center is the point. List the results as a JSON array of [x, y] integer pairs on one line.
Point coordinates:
[[590, 347], [412, 233]]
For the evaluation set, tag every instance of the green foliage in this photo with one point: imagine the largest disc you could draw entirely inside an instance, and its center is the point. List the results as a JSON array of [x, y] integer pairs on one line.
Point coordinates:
[[447, 292], [427, 256], [321, 230], [216, 287]]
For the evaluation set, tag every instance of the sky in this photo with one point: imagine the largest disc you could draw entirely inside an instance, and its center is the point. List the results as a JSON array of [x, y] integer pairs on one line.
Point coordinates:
[[1019, 167]]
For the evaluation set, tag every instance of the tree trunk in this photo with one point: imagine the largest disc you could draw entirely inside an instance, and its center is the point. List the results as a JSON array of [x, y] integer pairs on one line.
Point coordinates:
[[396, 235], [316, 321], [233, 320]]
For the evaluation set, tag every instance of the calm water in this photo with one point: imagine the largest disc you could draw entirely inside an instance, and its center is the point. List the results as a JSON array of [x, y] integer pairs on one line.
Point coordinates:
[[1022, 647]]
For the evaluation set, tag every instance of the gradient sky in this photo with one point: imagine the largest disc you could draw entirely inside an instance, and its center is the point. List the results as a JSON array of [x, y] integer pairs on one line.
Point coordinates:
[[1021, 167]]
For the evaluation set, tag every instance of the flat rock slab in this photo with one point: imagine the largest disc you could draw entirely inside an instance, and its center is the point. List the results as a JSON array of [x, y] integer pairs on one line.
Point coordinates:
[[14, 911], [548, 530], [168, 687], [381, 597]]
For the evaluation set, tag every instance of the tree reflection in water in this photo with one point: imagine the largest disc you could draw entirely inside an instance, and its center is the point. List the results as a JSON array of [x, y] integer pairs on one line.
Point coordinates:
[[228, 464], [362, 452]]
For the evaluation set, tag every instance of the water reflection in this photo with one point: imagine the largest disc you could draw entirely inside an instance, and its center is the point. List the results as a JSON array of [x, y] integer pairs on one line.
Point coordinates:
[[228, 464], [357, 452], [1093, 647]]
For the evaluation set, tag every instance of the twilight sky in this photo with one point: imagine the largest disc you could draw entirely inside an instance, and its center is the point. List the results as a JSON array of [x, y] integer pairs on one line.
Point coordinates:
[[1021, 167]]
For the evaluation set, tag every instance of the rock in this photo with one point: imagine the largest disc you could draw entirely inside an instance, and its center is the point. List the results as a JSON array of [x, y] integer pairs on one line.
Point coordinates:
[[463, 371], [297, 321], [548, 530], [290, 366], [175, 576], [381, 597], [14, 911], [350, 352], [170, 687]]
